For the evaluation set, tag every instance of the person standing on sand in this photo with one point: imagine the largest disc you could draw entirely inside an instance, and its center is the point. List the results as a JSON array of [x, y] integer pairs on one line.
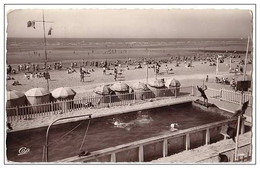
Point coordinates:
[[104, 70], [115, 74], [81, 75]]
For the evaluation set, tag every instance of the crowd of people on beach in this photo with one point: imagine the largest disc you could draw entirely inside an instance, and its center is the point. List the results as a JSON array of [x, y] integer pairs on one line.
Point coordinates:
[[36, 70]]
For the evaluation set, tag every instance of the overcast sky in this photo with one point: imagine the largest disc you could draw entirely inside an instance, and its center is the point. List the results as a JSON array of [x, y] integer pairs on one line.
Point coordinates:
[[133, 23]]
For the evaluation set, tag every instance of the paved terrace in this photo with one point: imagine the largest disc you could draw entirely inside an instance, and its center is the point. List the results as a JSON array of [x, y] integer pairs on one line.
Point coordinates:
[[209, 153], [43, 121]]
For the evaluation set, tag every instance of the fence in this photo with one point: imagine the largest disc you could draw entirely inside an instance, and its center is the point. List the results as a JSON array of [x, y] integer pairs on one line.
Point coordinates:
[[228, 95], [157, 147], [98, 101]]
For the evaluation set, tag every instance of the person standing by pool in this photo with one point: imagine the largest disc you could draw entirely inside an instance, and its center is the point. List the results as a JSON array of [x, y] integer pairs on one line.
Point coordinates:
[[207, 78]]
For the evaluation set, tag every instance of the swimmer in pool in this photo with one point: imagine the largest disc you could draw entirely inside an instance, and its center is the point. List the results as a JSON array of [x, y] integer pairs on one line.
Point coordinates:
[[173, 127]]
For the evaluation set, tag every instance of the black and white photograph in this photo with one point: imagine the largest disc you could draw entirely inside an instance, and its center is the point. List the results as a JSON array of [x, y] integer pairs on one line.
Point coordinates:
[[159, 84]]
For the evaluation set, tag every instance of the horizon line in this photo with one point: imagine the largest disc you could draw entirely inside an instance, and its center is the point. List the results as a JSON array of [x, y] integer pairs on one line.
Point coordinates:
[[136, 37]]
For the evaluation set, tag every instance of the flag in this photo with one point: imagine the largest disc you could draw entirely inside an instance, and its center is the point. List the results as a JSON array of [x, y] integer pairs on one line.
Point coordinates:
[[31, 24], [49, 32]]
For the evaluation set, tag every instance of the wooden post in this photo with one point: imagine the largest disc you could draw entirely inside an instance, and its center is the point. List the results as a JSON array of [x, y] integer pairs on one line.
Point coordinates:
[[242, 96], [237, 137], [147, 73], [217, 66], [175, 91], [192, 90], [207, 136], [242, 127], [113, 157], [141, 153], [134, 95], [187, 141], [16, 110], [165, 147], [110, 100], [220, 94], [244, 74], [230, 66]]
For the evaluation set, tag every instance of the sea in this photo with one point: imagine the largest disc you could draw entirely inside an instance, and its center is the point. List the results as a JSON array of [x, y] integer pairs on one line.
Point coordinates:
[[18, 49], [27, 44]]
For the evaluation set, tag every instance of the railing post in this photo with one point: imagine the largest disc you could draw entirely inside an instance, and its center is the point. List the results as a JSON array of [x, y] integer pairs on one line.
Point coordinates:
[[16, 110], [207, 136], [220, 94], [110, 100], [113, 157], [175, 91], [192, 90], [134, 95], [242, 96], [141, 153], [165, 148], [187, 141], [242, 126]]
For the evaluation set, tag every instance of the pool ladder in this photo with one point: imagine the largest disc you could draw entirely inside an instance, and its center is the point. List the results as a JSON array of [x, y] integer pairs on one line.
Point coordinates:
[[45, 147]]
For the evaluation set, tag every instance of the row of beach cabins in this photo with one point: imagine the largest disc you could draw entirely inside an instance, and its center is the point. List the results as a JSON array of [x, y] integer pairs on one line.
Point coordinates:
[[37, 100]]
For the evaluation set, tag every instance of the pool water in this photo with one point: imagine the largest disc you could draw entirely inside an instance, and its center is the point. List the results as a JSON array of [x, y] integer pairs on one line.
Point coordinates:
[[104, 132]]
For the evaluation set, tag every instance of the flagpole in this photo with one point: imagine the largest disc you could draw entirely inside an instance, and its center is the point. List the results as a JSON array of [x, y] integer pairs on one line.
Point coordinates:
[[147, 68], [217, 66], [244, 75], [46, 68]]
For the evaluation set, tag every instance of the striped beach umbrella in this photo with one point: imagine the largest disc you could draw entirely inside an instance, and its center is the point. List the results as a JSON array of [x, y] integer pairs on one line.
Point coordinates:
[[102, 90], [172, 82], [63, 93], [140, 86], [120, 87], [34, 92], [15, 98], [13, 94], [158, 83]]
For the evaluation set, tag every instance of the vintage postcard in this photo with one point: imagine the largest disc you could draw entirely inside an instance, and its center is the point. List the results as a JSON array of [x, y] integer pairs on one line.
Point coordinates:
[[133, 84]]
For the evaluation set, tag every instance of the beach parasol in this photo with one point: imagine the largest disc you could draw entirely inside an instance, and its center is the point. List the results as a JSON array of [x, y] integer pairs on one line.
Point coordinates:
[[15, 98], [140, 86], [12, 95], [34, 92], [158, 83], [102, 90], [120, 87], [173, 83], [63, 92]]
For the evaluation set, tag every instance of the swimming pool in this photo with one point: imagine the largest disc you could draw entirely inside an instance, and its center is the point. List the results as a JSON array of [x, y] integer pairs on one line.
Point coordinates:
[[105, 132]]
